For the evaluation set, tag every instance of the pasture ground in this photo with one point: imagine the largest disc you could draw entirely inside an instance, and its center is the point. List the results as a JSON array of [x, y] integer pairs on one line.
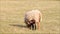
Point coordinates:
[[12, 16]]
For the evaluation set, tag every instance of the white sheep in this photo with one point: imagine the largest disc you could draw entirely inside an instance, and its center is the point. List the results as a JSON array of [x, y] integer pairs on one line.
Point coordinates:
[[32, 18]]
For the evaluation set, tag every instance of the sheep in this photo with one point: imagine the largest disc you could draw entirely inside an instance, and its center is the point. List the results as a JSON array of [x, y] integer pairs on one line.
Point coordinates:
[[33, 19]]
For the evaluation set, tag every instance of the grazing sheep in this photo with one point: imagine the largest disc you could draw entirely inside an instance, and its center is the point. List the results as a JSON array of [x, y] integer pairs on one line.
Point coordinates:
[[33, 18]]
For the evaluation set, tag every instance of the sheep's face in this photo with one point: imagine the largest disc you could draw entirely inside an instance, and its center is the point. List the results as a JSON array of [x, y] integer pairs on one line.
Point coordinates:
[[32, 22]]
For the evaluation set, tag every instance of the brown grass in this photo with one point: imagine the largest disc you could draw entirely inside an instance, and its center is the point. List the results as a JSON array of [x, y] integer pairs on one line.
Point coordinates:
[[12, 16]]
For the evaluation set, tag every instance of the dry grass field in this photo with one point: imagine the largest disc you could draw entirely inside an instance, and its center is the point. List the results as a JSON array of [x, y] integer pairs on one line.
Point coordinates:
[[12, 16]]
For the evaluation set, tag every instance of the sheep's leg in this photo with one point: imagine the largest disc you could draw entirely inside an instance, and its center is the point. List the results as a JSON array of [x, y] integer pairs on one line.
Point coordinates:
[[31, 27], [38, 25], [34, 26]]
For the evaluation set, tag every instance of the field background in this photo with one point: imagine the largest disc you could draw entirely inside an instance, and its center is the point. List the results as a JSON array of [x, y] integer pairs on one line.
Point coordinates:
[[12, 16]]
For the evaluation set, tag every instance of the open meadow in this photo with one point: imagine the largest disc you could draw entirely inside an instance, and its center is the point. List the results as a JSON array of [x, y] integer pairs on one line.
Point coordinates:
[[12, 16]]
